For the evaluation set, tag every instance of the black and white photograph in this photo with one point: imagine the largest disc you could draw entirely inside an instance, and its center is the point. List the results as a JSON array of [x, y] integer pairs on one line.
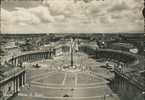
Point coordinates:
[[72, 67], [72, 50]]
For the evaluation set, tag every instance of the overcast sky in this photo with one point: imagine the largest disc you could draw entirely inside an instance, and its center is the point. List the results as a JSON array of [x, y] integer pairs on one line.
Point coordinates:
[[70, 16]]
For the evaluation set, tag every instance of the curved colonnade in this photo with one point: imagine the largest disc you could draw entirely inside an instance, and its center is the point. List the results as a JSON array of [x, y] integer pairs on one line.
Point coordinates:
[[128, 59], [117, 55], [38, 55], [30, 56], [19, 78], [121, 82]]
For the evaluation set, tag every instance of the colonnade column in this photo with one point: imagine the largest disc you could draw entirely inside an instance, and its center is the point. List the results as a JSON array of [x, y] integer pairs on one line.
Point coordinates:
[[14, 84], [24, 78], [18, 81]]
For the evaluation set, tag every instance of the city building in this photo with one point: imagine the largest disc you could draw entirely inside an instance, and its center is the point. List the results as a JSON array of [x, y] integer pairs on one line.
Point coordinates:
[[12, 79], [122, 58]]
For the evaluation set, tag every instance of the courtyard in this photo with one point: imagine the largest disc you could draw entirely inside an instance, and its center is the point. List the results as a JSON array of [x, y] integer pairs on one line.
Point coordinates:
[[88, 81]]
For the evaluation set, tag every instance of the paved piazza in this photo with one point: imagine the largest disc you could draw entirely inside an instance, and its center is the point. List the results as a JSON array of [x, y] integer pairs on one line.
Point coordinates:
[[52, 82]]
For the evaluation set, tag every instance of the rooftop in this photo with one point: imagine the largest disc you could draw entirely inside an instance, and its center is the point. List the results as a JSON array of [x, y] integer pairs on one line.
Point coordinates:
[[7, 70], [135, 72], [10, 45]]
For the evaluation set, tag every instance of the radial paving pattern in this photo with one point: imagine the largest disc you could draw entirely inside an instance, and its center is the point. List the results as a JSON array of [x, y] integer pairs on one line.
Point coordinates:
[[51, 83]]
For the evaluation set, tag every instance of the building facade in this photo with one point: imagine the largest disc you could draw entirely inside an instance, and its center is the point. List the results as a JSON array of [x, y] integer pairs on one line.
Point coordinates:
[[12, 79]]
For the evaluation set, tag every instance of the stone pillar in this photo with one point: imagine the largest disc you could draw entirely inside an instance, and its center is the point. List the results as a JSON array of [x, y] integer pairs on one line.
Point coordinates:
[[20, 59], [31, 57], [43, 56], [21, 79], [35, 57], [28, 57], [24, 78], [15, 85], [16, 62], [24, 58], [38, 56], [119, 82], [116, 85], [18, 83], [49, 54], [12, 60], [46, 55], [122, 83], [4, 90]]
